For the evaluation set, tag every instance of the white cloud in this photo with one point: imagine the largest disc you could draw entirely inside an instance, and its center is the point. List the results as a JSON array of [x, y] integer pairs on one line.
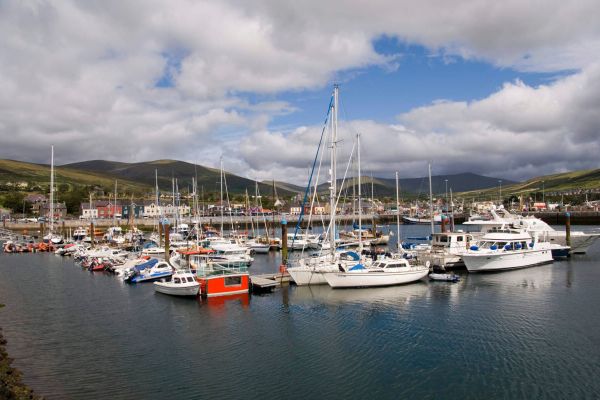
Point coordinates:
[[514, 133], [83, 75]]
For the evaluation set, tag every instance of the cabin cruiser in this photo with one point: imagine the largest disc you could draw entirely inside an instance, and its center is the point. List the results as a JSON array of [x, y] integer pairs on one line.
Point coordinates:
[[151, 270], [387, 271], [80, 233], [231, 254], [446, 249], [580, 241], [503, 249], [302, 241]]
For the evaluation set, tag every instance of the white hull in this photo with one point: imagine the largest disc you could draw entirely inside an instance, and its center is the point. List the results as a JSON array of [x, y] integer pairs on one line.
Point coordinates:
[[375, 278], [306, 276], [177, 290], [261, 249], [580, 242], [506, 260]]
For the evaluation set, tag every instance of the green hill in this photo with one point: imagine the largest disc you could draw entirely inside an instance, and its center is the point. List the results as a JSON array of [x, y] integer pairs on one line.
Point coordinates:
[[144, 173], [14, 173]]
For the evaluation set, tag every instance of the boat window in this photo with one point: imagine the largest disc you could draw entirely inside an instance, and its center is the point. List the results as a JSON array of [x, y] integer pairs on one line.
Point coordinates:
[[176, 280], [190, 279], [459, 238], [394, 265], [233, 280]]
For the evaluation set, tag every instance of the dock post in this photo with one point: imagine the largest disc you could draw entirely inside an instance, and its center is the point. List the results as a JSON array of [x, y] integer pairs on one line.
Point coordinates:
[[160, 234], [284, 247], [64, 230], [167, 229], [444, 221], [42, 230], [92, 233], [568, 228]]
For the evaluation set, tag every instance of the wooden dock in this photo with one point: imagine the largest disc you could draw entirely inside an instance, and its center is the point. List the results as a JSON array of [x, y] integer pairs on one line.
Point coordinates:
[[268, 282]]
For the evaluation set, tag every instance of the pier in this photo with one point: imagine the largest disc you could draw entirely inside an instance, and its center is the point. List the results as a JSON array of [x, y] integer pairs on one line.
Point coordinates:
[[268, 282]]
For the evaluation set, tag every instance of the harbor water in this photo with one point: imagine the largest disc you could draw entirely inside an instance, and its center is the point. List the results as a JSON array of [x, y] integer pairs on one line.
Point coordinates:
[[530, 333]]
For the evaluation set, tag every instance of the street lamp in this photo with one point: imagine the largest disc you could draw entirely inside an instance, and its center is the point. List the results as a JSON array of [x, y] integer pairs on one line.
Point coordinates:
[[446, 181]]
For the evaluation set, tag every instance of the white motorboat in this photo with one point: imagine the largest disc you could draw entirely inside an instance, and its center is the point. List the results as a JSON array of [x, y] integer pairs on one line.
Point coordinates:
[[181, 283], [446, 249], [580, 241], [258, 247], [150, 271], [384, 272], [503, 249], [231, 254]]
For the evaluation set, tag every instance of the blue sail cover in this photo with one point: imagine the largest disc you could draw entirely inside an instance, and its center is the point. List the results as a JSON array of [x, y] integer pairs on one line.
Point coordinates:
[[148, 264], [357, 267]]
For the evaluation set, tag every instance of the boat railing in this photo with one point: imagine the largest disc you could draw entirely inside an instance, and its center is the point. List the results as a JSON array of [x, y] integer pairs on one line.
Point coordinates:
[[216, 269]]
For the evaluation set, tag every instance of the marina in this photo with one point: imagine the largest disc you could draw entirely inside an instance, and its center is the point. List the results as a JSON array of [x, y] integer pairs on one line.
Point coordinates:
[[522, 333]]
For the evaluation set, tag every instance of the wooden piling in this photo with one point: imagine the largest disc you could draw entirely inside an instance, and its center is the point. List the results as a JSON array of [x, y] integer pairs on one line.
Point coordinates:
[[167, 242], [284, 247], [160, 234], [568, 228], [92, 234], [444, 221]]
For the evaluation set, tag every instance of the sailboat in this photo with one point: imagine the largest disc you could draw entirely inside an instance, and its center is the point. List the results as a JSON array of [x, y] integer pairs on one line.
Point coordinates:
[[52, 236], [310, 270]]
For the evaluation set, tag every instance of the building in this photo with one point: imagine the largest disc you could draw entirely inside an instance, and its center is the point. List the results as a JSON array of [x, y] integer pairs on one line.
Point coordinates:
[[132, 208], [60, 210], [36, 201]]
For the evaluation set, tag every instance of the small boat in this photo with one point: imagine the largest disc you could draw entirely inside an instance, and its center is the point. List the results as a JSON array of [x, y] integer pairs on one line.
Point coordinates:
[[150, 271], [444, 277], [182, 283]]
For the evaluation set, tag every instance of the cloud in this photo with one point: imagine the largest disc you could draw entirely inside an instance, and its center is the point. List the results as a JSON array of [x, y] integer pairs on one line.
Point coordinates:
[[192, 80], [514, 133]]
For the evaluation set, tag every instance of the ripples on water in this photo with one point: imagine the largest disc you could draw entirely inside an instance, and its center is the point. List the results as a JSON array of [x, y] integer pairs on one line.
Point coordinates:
[[518, 334]]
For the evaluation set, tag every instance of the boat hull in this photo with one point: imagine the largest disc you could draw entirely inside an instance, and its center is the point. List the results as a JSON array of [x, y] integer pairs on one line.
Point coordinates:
[[485, 262], [303, 276], [374, 279], [177, 290]]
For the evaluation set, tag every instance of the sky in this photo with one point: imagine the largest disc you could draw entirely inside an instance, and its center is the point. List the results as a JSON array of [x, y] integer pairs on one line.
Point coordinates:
[[510, 90]]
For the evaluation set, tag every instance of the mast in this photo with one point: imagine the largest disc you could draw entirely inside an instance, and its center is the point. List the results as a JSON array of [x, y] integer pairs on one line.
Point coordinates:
[[52, 191], [115, 206], [360, 244], [431, 202], [222, 216], [333, 188], [397, 212]]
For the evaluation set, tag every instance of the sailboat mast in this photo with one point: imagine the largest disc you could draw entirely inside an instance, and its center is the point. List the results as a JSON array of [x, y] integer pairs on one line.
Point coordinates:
[[397, 212], [360, 244], [333, 189], [115, 206], [222, 215], [431, 202], [52, 191]]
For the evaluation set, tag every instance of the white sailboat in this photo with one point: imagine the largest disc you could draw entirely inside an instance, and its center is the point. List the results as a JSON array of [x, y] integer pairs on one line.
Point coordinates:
[[52, 236], [310, 270]]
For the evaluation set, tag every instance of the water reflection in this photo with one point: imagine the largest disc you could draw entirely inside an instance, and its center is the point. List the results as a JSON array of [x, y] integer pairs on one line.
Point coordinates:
[[393, 295]]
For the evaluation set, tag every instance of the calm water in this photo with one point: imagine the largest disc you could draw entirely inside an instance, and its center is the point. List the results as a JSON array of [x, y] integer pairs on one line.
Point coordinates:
[[532, 333]]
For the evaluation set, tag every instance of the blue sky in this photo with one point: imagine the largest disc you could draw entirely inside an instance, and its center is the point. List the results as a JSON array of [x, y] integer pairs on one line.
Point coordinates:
[[421, 77]]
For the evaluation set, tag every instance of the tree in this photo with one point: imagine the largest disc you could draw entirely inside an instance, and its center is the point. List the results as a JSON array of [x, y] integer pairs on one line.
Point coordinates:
[[14, 201]]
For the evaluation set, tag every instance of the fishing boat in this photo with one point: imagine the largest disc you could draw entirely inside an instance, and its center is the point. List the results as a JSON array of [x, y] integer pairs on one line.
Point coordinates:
[[504, 249], [217, 279], [383, 272], [181, 283]]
